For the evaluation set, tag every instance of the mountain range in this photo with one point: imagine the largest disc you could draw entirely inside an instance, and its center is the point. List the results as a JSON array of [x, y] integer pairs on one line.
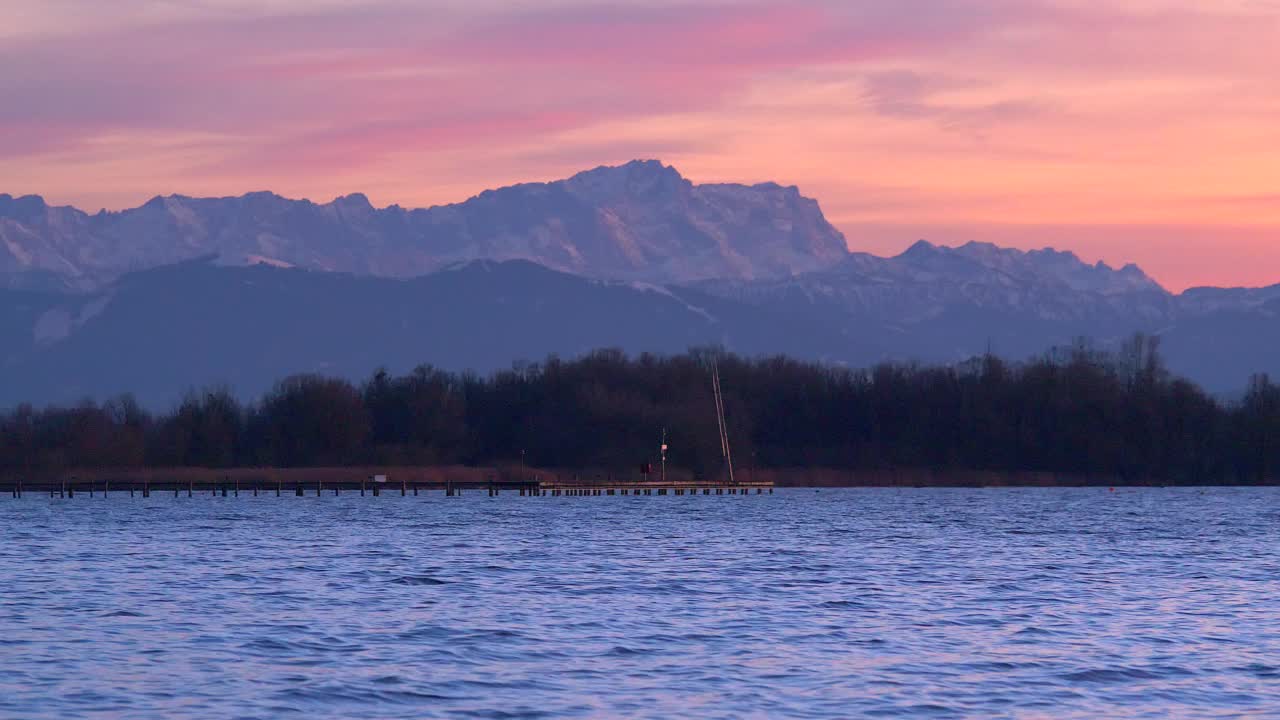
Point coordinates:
[[184, 292], [640, 221]]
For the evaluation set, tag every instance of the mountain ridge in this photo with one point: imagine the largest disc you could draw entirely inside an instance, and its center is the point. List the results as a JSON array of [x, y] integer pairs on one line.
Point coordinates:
[[638, 221]]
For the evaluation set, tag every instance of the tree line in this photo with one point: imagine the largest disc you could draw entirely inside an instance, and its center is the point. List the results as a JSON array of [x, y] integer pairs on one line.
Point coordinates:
[[1075, 410]]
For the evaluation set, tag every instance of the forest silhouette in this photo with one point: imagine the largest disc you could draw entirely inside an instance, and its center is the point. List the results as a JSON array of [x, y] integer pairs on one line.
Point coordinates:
[[1076, 410]]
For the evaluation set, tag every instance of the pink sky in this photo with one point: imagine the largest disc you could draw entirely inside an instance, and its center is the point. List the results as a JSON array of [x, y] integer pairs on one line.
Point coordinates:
[[1140, 131]]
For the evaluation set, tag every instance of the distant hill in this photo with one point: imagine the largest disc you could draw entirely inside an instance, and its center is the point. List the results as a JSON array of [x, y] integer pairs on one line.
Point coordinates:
[[639, 221], [161, 331]]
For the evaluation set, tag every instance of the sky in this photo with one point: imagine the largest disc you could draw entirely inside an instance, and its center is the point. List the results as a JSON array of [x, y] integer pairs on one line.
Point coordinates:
[[1142, 131]]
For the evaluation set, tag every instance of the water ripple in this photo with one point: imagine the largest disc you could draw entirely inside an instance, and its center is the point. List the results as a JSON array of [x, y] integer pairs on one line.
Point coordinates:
[[871, 603]]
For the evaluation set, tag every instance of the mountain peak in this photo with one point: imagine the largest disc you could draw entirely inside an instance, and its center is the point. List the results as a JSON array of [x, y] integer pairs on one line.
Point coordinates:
[[643, 178], [920, 248], [23, 207], [353, 200]]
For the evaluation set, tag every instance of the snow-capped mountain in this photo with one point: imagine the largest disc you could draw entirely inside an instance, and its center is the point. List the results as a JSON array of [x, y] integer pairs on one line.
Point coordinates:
[[639, 221], [929, 281]]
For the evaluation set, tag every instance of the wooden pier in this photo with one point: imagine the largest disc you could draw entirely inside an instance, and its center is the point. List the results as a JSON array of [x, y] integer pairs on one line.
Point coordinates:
[[299, 486]]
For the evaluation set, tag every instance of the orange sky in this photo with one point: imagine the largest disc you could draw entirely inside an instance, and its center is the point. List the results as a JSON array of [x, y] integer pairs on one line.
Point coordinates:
[[1132, 130]]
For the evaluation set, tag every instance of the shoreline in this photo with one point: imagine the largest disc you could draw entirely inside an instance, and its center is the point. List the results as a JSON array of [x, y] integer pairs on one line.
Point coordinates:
[[817, 478]]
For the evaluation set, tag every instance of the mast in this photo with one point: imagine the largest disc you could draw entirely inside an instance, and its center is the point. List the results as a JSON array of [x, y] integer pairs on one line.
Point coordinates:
[[724, 433]]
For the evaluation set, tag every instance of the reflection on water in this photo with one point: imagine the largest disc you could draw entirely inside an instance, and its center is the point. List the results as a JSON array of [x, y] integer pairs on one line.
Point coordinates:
[[940, 603]]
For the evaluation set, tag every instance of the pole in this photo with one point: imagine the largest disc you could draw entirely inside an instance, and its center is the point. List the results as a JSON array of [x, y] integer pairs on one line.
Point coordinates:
[[664, 456]]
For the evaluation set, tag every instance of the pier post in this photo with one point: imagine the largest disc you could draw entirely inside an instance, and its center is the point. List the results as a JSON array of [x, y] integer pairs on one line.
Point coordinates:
[[279, 482], [90, 488], [299, 490], [362, 488], [404, 489], [377, 491], [319, 487], [146, 488], [191, 487], [237, 487], [130, 489]]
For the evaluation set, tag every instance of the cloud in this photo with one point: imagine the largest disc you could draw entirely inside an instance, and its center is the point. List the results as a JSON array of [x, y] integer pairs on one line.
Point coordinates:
[[968, 111], [913, 95]]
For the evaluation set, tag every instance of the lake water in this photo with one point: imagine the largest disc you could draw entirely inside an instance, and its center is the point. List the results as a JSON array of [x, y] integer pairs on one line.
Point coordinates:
[[931, 603]]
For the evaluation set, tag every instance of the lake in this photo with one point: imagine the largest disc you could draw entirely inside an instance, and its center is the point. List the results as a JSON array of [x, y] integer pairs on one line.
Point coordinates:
[[807, 604]]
